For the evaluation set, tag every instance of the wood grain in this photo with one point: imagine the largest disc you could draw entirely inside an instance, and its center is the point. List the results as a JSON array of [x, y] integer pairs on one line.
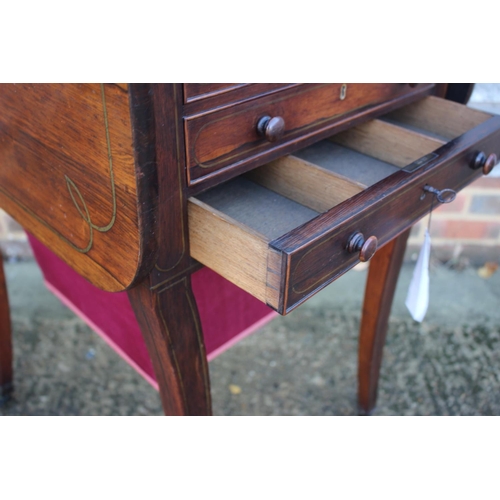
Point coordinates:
[[195, 91], [316, 251], [379, 294], [6, 375], [171, 328], [439, 116], [68, 175], [164, 303], [387, 142], [202, 98], [257, 158], [221, 138], [234, 251], [305, 183]]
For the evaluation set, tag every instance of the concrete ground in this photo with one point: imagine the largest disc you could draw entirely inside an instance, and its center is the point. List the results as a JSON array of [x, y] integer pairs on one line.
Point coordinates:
[[302, 364]]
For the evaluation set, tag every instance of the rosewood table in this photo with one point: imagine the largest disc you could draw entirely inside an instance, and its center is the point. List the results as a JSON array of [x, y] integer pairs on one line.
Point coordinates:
[[203, 207]]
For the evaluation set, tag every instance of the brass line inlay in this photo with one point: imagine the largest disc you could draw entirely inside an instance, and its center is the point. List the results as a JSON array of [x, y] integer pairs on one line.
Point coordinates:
[[201, 345], [343, 227], [172, 351], [212, 163], [72, 188], [170, 282], [181, 196]]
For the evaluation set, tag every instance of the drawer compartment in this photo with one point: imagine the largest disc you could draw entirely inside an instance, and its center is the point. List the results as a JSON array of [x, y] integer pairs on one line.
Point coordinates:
[[203, 97], [236, 136], [195, 91], [285, 230]]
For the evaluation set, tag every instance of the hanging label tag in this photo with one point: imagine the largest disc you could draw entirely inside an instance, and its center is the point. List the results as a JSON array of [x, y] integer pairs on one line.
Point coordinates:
[[417, 300]]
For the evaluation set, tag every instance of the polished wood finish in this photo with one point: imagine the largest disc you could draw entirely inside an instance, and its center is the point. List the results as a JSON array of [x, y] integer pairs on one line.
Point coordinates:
[[490, 163], [202, 98], [486, 163], [157, 148], [171, 229], [6, 375], [171, 328], [195, 91], [286, 269], [164, 303], [228, 139], [380, 287], [368, 249], [272, 129], [68, 177], [365, 247], [316, 253]]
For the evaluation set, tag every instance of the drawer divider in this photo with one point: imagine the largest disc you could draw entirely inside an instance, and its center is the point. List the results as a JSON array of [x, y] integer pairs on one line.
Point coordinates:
[[306, 183], [439, 116], [388, 142]]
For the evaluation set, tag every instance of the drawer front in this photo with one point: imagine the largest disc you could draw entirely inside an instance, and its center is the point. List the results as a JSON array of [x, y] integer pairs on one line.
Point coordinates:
[[196, 91], [281, 232], [229, 137], [201, 98], [316, 253]]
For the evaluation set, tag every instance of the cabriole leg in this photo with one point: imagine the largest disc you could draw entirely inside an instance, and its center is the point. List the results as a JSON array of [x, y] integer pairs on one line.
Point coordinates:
[[171, 328], [379, 293]]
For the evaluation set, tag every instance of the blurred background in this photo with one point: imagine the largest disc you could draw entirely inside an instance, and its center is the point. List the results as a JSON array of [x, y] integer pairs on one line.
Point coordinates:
[[306, 362]]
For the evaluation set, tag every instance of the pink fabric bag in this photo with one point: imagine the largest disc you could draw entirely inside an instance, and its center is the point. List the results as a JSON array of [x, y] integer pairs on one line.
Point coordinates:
[[227, 313]]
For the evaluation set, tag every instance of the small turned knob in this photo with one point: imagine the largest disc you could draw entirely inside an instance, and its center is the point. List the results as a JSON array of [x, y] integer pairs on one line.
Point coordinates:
[[366, 248], [485, 162], [490, 162], [272, 129]]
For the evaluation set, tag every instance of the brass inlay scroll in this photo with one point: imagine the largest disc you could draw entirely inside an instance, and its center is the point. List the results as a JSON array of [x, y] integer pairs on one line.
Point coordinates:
[[78, 200], [72, 188]]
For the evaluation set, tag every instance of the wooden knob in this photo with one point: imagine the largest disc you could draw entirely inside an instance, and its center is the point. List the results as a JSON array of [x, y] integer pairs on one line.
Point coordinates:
[[413, 85], [485, 162], [366, 248], [272, 129], [490, 162]]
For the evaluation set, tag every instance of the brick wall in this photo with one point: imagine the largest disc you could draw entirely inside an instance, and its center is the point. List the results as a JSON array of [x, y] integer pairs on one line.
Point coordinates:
[[468, 227]]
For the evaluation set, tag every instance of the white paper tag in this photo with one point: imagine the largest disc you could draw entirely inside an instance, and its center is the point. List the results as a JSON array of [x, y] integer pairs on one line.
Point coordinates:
[[417, 300]]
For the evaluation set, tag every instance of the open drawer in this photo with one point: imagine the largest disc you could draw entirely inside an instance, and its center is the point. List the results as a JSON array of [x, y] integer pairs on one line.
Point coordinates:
[[288, 229]]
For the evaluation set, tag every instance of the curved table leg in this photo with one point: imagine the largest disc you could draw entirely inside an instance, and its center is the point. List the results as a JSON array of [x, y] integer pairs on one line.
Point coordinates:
[[6, 376], [171, 328], [379, 293]]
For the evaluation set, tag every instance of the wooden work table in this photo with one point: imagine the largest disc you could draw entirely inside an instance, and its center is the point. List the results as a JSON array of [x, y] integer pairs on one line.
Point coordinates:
[[278, 188]]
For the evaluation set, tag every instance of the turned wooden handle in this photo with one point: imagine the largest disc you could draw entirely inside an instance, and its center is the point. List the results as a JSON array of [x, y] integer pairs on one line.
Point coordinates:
[[490, 162], [485, 162], [272, 129], [366, 247]]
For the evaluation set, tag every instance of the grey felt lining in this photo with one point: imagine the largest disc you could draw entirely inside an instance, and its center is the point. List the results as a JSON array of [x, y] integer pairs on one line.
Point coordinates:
[[413, 128], [346, 162], [264, 211]]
